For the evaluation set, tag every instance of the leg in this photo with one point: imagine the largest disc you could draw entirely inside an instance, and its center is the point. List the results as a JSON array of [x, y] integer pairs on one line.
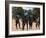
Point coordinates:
[[36, 24], [30, 24], [23, 26], [16, 25], [27, 26], [19, 25]]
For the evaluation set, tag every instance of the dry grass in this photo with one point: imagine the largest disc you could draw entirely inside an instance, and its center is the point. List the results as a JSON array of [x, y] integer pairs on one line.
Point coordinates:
[[25, 28]]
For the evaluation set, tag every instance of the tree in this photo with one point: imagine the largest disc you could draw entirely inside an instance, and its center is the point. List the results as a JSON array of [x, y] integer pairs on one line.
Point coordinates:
[[17, 11], [36, 11]]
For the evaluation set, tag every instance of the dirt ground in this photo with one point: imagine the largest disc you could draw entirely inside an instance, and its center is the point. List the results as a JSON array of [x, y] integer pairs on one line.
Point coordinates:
[[25, 28]]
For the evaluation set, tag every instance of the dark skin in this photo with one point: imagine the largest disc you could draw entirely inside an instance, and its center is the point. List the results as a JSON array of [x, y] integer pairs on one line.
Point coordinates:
[[35, 20], [30, 21], [17, 22], [24, 21]]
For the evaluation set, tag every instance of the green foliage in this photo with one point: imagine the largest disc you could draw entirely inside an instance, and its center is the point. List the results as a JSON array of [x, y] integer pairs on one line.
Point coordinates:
[[36, 11], [20, 11], [17, 10]]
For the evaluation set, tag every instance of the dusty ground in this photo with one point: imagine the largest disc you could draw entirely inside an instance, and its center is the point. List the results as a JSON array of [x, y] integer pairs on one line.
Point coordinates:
[[25, 28]]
